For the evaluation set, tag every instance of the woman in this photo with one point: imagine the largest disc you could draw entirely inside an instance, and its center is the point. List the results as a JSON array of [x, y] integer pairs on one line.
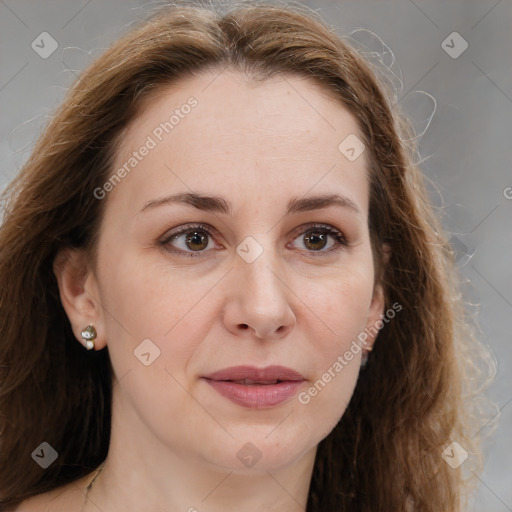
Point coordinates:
[[222, 286]]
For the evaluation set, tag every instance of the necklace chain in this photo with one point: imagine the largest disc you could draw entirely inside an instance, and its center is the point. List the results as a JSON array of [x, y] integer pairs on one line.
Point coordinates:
[[89, 487]]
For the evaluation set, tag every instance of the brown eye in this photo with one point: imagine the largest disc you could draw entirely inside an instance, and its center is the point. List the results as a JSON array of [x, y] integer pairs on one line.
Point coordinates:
[[315, 239], [194, 240], [188, 240], [198, 240]]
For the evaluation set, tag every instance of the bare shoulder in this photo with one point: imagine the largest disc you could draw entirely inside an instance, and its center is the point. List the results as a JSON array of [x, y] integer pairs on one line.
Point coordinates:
[[68, 498]]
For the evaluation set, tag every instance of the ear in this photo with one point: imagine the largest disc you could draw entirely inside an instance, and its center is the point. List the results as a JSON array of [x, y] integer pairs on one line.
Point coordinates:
[[374, 315], [79, 294], [377, 305]]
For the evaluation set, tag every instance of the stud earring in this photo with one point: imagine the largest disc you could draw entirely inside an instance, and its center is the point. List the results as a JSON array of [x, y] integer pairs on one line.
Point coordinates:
[[89, 335], [364, 357]]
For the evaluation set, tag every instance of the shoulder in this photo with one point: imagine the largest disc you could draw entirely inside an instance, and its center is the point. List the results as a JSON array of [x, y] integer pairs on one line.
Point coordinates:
[[68, 498]]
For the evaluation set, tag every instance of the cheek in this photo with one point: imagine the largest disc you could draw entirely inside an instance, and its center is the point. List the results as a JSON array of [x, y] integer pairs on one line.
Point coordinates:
[[334, 370], [151, 301], [342, 303], [336, 356], [145, 299], [152, 332]]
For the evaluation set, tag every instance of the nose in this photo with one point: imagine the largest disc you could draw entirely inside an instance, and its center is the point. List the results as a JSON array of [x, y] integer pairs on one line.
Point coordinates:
[[258, 302]]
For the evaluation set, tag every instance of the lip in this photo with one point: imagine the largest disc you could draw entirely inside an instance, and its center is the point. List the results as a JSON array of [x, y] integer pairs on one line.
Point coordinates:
[[256, 394]]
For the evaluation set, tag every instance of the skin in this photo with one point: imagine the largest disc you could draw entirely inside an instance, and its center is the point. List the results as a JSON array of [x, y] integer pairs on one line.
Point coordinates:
[[174, 439]]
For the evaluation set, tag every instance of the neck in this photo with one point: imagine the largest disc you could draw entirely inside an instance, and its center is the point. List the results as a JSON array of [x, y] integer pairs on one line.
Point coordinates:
[[148, 475], [195, 489]]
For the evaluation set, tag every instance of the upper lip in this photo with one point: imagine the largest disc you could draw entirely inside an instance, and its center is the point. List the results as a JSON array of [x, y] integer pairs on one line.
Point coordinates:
[[269, 373]]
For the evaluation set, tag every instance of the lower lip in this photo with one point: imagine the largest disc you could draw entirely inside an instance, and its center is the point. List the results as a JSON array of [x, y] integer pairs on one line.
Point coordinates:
[[256, 396]]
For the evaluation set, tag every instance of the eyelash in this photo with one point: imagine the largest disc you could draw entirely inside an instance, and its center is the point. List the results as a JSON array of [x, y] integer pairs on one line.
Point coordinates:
[[341, 241]]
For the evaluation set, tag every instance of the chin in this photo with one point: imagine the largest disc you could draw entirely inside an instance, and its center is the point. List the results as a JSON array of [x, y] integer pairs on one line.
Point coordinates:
[[257, 451]]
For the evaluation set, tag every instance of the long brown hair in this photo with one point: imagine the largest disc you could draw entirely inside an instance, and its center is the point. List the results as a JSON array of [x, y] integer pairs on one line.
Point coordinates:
[[414, 396]]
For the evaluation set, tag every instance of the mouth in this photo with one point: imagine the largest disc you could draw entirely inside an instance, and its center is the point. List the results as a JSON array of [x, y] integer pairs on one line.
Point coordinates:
[[253, 375], [249, 382], [256, 387]]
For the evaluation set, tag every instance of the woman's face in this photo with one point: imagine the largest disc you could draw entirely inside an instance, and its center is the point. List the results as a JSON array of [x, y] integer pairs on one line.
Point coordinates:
[[256, 286]]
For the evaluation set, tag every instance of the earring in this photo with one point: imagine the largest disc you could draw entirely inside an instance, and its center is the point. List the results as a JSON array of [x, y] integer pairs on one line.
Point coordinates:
[[89, 335], [364, 357]]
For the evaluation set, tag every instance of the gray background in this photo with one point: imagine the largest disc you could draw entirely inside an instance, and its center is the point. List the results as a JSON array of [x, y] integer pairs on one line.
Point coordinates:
[[467, 146]]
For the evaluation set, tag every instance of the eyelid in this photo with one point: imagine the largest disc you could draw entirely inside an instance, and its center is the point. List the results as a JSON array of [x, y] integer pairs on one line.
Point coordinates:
[[185, 228], [339, 236], [181, 230], [341, 241], [332, 230]]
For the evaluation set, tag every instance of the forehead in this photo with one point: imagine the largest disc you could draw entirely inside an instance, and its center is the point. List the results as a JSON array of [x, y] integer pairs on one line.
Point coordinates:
[[219, 131]]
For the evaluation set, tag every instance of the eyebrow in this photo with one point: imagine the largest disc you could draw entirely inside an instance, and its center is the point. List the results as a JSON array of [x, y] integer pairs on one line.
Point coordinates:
[[215, 204]]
